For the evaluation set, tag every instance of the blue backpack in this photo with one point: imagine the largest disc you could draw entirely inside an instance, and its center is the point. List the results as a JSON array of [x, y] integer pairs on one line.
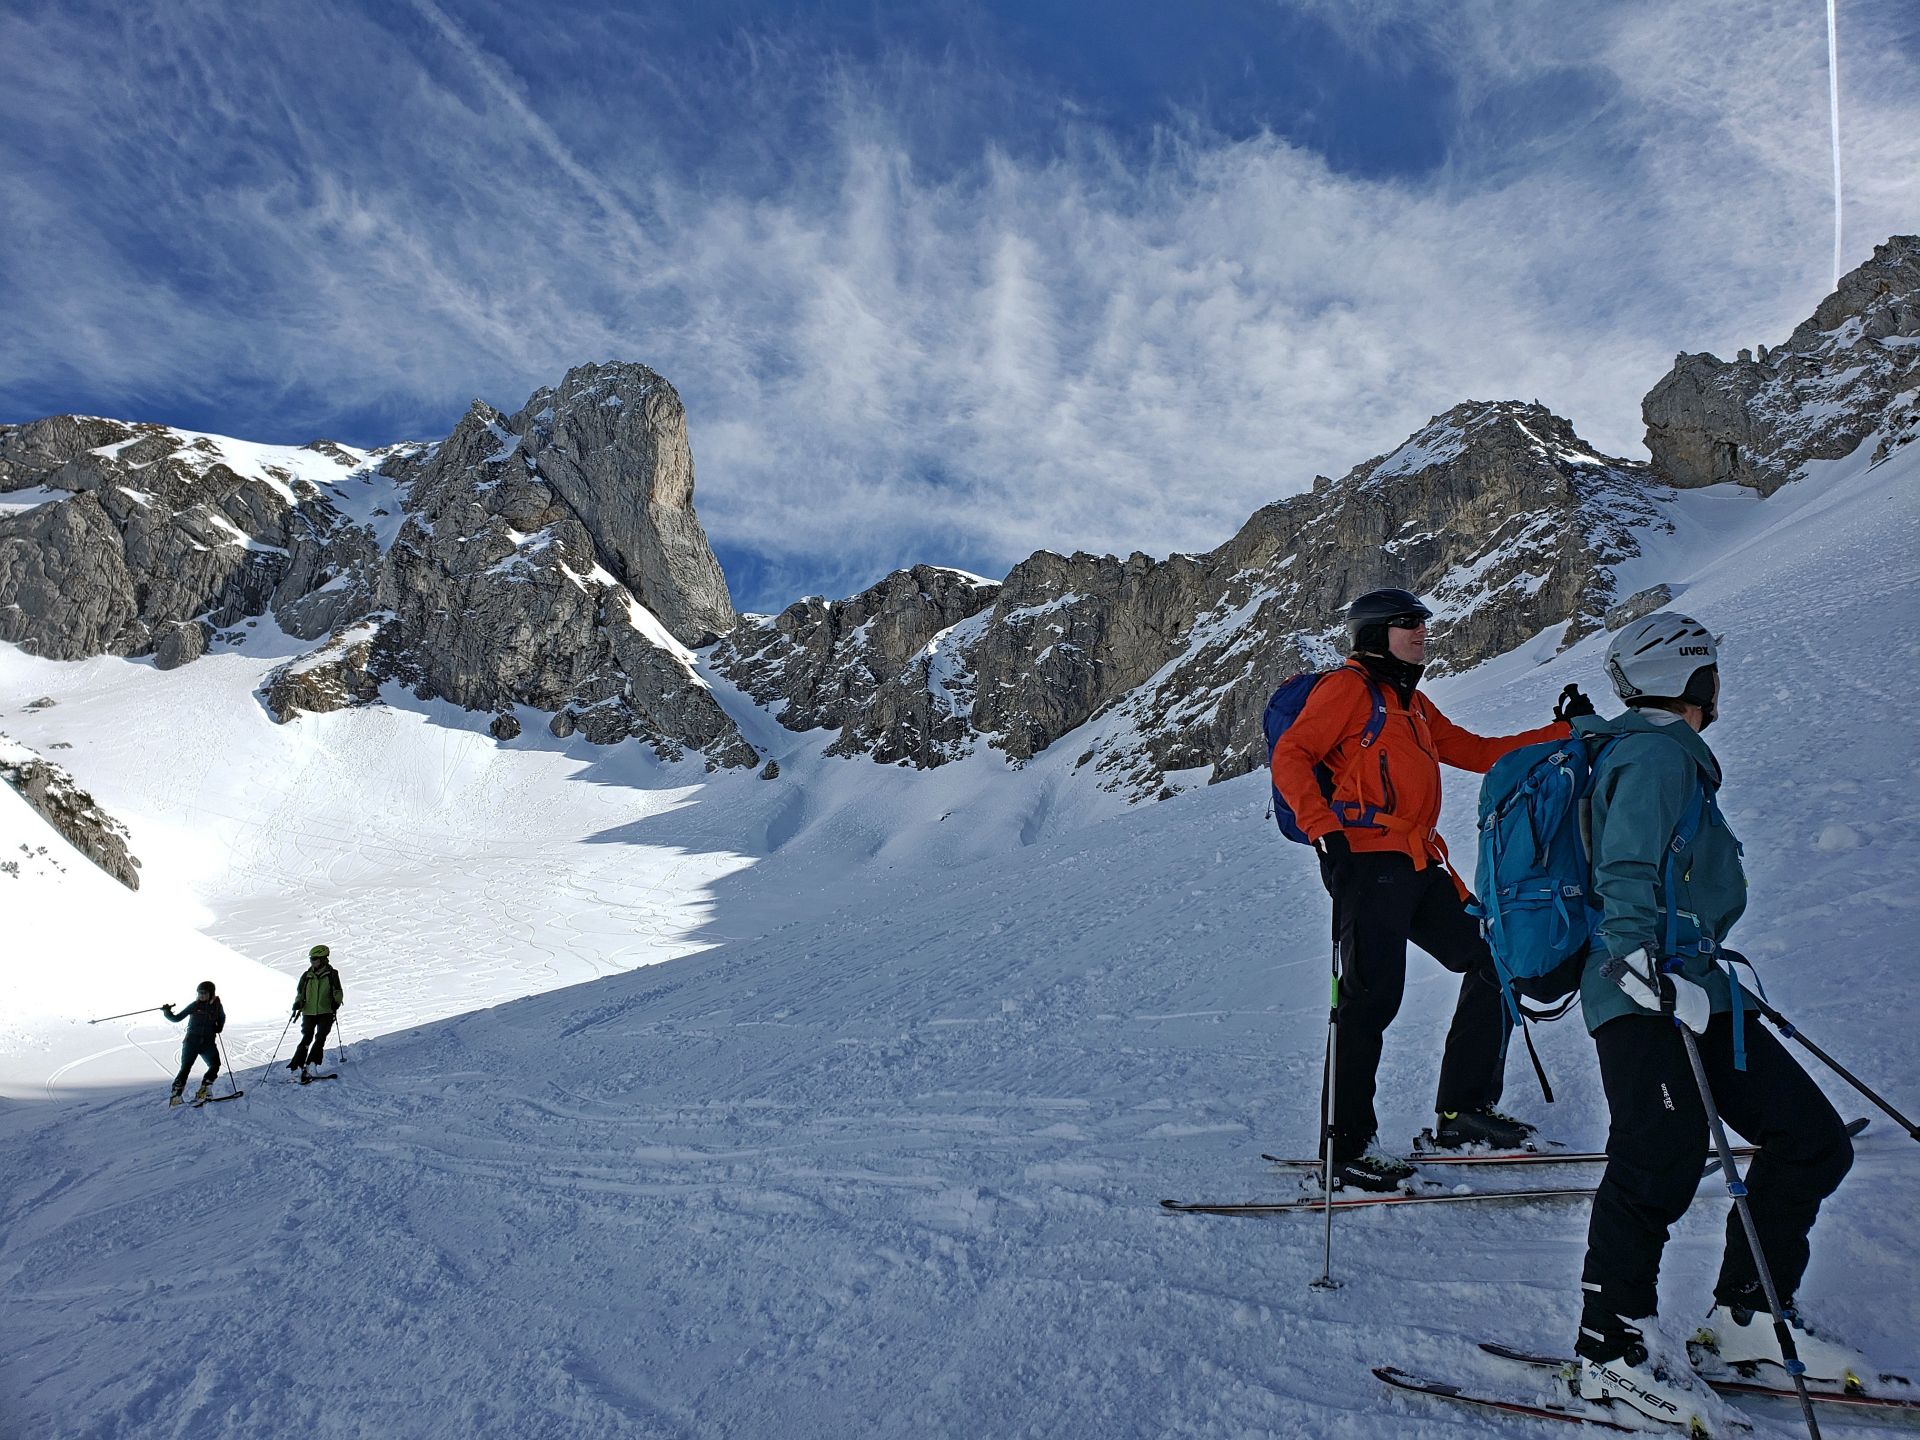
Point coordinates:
[[1534, 874], [1283, 708]]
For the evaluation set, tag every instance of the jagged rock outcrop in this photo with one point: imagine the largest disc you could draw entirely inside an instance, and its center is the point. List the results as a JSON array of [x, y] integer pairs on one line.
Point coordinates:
[[838, 665], [70, 810], [347, 670], [1639, 604], [612, 442], [550, 558], [1836, 382], [180, 642], [141, 528], [1498, 512]]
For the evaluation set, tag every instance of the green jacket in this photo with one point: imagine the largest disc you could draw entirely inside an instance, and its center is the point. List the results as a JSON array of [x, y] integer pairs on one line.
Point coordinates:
[[1642, 787], [320, 991]]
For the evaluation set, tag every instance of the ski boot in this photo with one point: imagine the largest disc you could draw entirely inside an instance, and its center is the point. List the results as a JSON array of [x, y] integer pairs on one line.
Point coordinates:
[[1454, 1129], [173, 1098], [304, 1078], [1616, 1365], [1373, 1169], [1740, 1331], [204, 1093]]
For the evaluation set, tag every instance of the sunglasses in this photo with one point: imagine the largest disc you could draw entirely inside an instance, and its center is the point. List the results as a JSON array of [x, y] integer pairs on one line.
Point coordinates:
[[1407, 622]]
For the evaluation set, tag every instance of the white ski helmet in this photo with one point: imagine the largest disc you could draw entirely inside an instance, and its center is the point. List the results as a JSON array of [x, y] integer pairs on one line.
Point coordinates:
[[1656, 658]]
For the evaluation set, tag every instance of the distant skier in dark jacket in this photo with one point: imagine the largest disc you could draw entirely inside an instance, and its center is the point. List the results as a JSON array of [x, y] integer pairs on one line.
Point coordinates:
[[206, 1017], [319, 995], [1652, 968]]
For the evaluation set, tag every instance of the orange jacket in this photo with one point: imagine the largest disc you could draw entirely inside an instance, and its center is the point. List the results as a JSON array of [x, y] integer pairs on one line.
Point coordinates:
[[1389, 793]]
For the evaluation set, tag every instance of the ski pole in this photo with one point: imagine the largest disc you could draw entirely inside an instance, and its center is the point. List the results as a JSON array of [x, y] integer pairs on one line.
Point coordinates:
[[1326, 1280], [276, 1049], [342, 1046], [233, 1077], [1737, 1188], [128, 1016], [1786, 1028]]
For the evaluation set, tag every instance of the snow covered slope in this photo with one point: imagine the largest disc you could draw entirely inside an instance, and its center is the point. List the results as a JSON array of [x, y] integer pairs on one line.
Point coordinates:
[[80, 945], [882, 1158]]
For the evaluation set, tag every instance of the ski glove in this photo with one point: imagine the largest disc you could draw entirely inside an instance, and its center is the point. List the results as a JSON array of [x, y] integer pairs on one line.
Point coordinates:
[[1660, 991], [1336, 856], [1571, 704]]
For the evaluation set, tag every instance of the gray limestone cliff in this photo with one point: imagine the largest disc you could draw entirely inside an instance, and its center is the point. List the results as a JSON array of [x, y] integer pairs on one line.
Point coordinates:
[[550, 558], [1497, 511], [69, 810], [1849, 374], [837, 665]]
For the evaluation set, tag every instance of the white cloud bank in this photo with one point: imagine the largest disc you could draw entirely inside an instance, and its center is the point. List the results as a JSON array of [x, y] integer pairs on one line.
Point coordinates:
[[886, 364]]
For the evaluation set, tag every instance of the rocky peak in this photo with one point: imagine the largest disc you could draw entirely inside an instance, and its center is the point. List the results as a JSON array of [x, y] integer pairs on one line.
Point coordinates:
[[612, 442], [1760, 419], [845, 664], [549, 558], [1498, 511]]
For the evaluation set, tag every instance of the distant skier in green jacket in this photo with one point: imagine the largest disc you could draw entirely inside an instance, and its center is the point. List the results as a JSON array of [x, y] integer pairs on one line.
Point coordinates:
[[1657, 963], [318, 997], [206, 1017]]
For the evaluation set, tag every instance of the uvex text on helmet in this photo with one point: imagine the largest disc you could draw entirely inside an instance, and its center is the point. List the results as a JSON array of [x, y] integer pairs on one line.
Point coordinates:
[[1654, 658], [1368, 616]]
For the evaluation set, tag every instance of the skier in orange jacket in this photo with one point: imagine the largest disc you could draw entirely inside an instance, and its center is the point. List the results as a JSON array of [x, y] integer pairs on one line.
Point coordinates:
[[1385, 867]]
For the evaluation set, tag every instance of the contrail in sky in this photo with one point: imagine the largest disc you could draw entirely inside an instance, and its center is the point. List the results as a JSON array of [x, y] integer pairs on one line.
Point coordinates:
[[1833, 92], [542, 133]]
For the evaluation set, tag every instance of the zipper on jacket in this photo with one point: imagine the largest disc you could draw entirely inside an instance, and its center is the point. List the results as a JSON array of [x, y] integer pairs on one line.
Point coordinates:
[[1386, 786]]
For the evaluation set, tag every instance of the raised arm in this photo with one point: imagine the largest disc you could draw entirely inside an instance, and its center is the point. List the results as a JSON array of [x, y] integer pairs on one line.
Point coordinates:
[[1465, 750]]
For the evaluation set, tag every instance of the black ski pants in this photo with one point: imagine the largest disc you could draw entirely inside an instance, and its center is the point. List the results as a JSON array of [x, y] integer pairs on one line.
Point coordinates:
[[1658, 1145], [1380, 902], [312, 1048], [203, 1047]]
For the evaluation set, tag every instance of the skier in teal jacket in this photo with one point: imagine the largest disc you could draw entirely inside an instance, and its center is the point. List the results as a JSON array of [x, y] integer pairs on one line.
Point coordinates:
[[1659, 963]]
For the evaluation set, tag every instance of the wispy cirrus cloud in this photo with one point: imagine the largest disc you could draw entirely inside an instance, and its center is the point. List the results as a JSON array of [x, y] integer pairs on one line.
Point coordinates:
[[907, 331]]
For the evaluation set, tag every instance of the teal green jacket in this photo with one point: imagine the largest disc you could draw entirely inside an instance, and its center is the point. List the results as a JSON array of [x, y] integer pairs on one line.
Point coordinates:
[[1642, 787]]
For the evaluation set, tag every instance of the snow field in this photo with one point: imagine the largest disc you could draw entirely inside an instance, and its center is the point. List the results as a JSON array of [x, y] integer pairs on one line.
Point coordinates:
[[882, 1158]]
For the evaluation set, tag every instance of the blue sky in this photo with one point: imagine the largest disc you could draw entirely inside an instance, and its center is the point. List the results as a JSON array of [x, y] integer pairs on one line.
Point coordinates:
[[939, 282]]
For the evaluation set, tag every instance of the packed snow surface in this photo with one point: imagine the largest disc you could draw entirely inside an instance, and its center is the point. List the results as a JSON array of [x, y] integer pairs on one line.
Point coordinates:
[[859, 1126]]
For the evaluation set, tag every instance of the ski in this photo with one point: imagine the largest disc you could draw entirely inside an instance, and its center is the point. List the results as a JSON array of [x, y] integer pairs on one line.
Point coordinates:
[[309, 1079], [1730, 1385], [1428, 1157], [1440, 1389], [1356, 1202], [1516, 1157], [216, 1099]]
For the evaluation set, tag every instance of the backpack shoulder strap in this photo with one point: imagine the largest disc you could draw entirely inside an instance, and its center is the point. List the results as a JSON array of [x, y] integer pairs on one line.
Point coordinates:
[[1377, 720]]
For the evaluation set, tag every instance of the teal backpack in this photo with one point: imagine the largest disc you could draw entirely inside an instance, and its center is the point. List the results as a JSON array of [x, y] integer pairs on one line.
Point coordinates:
[[1533, 877]]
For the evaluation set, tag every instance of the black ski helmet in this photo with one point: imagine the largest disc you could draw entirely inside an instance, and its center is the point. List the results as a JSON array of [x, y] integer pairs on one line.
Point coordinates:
[[1367, 617], [205, 987]]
